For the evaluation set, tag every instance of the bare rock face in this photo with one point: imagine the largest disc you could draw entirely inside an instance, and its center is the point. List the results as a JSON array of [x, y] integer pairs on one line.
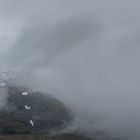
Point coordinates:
[[31, 112]]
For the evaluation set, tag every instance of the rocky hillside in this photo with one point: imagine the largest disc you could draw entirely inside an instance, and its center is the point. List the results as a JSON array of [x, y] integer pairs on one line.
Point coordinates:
[[29, 112], [33, 116]]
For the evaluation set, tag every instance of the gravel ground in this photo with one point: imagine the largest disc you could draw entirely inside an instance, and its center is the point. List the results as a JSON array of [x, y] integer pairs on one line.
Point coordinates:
[[42, 137]]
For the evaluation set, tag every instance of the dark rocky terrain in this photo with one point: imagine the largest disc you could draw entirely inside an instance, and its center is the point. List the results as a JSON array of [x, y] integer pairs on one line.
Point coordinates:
[[33, 116], [31, 112], [43, 137]]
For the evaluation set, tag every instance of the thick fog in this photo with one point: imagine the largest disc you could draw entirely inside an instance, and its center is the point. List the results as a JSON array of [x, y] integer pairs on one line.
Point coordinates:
[[84, 52]]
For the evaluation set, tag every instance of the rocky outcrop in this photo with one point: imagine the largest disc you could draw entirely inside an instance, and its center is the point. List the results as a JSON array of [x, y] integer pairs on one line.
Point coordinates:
[[31, 112]]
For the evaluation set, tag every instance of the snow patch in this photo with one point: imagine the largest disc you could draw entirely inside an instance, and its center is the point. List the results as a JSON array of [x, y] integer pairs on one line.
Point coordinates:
[[31, 122], [25, 93], [27, 107]]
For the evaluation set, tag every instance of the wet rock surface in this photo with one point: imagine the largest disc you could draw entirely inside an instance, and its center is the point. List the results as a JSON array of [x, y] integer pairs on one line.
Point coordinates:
[[28, 112]]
